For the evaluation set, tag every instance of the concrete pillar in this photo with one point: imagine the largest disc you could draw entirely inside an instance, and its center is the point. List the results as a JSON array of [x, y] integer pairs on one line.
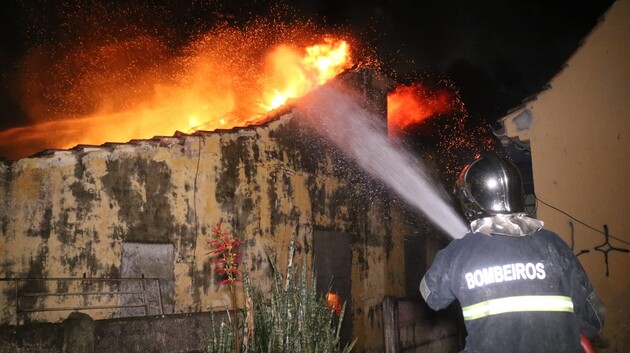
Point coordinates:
[[78, 333]]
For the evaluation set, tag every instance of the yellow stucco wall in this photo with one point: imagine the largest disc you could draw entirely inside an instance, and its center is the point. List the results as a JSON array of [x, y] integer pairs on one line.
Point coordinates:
[[580, 148], [68, 214]]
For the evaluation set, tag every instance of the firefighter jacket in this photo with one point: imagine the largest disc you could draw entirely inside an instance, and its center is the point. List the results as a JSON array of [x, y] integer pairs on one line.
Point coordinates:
[[517, 294]]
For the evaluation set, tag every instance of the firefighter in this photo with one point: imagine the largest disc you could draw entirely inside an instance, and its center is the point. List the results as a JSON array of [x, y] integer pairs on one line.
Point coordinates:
[[520, 287]]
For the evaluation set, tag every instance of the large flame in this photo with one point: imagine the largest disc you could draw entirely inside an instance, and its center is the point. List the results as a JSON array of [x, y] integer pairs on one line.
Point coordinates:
[[222, 80], [293, 74], [137, 88]]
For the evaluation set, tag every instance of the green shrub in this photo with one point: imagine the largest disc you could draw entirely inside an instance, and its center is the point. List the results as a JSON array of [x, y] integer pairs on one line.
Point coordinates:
[[292, 318]]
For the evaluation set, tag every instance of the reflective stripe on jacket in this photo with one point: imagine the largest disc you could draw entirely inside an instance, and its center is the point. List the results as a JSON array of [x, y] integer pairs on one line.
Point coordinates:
[[518, 303]]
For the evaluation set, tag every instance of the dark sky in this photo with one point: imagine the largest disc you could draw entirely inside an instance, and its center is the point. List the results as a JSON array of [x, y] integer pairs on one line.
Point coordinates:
[[497, 52]]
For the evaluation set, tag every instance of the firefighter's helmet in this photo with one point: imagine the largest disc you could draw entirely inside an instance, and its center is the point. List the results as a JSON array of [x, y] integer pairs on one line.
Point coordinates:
[[490, 186]]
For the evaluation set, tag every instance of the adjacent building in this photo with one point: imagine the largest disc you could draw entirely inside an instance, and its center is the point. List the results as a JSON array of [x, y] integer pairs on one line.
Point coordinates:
[[578, 134]]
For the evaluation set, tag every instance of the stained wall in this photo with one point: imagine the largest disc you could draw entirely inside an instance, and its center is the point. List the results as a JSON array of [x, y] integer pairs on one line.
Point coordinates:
[[72, 213]]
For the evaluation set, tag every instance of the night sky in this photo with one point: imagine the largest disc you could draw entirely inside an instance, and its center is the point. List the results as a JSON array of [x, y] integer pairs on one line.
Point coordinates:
[[497, 52]]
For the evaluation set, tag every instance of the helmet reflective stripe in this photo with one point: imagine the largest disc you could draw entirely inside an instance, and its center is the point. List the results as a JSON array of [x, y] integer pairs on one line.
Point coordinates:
[[519, 303]]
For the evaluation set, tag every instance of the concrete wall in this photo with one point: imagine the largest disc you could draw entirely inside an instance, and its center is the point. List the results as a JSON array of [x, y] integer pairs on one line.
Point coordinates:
[[579, 132], [72, 213], [183, 333], [40, 338]]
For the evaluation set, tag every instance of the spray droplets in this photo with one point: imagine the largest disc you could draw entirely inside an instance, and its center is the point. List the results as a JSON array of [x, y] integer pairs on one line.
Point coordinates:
[[335, 112]]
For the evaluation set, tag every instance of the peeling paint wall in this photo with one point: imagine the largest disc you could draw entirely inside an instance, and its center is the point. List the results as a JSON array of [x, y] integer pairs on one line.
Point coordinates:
[[69, 214]]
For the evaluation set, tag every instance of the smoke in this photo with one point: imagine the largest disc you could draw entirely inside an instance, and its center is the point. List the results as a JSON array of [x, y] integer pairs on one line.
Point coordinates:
[[335, 112]]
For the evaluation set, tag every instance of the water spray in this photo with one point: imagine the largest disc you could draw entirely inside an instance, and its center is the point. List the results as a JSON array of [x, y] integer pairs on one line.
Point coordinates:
[[335, 113]]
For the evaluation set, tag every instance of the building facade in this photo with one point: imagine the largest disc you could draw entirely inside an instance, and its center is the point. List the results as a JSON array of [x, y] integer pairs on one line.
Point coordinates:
[[81, 226], [577, 131]]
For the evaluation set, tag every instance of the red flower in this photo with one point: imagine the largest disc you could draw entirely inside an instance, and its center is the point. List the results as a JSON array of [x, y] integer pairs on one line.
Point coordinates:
[[224, 245]]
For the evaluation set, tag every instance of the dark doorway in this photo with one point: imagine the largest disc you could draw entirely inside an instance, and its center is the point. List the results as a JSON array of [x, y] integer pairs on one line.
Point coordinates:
[[415, 264], [333, 265]]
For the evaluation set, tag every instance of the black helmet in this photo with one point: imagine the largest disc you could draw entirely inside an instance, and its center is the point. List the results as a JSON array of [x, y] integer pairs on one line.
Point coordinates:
[[490, 186]]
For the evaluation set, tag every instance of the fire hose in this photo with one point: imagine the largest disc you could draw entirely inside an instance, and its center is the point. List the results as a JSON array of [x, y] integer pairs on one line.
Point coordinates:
[[586, 344]]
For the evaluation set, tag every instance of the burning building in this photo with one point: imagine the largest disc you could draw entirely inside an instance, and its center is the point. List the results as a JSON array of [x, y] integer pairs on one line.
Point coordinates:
[[80, 225]]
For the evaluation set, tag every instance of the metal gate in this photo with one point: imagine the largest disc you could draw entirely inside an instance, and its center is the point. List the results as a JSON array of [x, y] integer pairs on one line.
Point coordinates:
[[120, 297]]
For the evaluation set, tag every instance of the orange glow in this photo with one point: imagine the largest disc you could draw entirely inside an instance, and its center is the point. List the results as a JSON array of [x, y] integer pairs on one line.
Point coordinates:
[[334, 303], [291, 73], [137, 89], [410, 105]]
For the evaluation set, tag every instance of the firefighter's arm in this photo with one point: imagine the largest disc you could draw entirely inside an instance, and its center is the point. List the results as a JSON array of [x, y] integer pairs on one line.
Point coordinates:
[[592, 316], [589, 309], [435, 286]]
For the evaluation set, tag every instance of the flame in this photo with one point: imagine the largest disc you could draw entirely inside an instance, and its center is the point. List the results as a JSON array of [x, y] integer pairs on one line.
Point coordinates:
[[334, 303], [133, 90], [293, 74], [410, 105]]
